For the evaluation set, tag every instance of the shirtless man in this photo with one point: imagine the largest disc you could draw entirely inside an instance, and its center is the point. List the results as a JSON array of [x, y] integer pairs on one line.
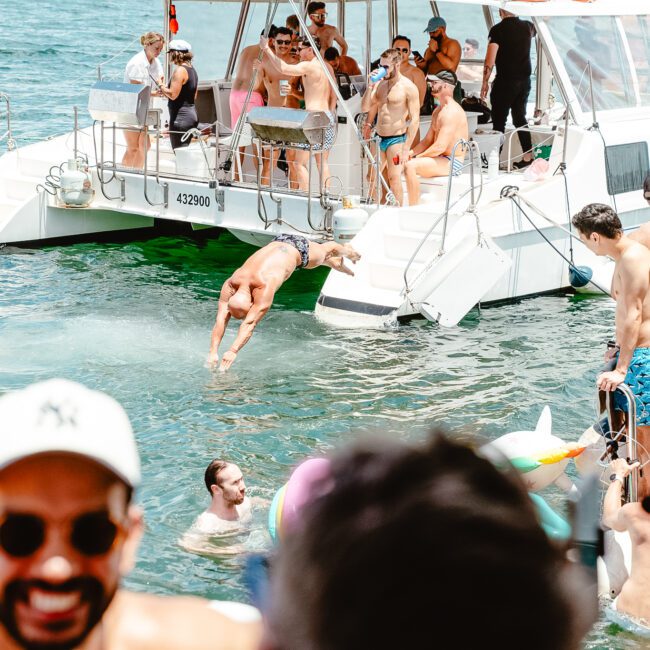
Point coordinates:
[[69, 532], [443, 53], [248, 294], [601, 232], [277, 89], [229, 504], [319, 96], [403, 45], [432, 156], [341, 64], [642, 233], [326, 34], [634, 518], [395, 101], [240, 85]]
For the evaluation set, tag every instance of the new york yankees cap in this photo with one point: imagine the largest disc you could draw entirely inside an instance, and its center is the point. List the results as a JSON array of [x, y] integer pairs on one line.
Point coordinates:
[[58, 415]]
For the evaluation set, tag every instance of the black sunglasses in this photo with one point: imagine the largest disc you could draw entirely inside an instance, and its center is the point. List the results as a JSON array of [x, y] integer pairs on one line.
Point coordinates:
[[92, 533], [282, 42], [402, 49]]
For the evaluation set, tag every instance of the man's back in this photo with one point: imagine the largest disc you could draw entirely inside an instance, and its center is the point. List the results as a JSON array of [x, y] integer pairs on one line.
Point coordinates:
[[270, 266], [245, 69], [513, 36]]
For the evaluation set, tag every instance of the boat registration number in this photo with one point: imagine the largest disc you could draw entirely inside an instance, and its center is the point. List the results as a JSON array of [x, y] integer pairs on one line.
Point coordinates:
[[193, 199]]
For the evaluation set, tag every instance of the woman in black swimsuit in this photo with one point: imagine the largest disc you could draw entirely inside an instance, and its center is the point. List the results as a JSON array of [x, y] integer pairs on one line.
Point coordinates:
[[181, 93]]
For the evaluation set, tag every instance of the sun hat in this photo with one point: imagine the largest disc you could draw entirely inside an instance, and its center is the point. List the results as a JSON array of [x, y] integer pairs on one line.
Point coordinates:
[[179, 45], [446, 76], [435, 23], [63, 416]]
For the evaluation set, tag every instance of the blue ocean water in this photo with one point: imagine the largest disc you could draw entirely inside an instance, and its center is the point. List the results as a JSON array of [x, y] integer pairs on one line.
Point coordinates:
[[134, 319]]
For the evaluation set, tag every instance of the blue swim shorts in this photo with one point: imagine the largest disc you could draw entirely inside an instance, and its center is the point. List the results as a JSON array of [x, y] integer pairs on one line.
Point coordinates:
[[390, 140], [301, 244], [638, 379], [458, 165]]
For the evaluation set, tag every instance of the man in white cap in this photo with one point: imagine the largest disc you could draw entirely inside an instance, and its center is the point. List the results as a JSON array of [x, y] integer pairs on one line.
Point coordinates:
[[69, 532], [442, 53]]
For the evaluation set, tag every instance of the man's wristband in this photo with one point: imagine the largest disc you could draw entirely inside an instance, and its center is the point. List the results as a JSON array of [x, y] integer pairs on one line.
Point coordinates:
[[617, 477]]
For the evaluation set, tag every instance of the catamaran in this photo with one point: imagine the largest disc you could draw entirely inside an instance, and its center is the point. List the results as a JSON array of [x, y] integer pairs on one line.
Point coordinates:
[[475, 238]]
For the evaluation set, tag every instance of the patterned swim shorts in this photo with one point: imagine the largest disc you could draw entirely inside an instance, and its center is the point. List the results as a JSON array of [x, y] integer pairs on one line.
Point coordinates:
[[301, 244], [328, 136], [638, 379]]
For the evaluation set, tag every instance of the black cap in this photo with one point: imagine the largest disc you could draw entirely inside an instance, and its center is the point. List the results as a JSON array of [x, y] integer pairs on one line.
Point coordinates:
[[446, 76]]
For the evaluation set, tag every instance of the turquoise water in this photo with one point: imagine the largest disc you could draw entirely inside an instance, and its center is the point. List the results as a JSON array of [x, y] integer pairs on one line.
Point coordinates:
[[134, 319]]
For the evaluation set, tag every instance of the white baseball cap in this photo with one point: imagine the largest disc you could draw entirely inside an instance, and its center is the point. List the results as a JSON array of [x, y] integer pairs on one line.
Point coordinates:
[[61, 415], [179, 45]]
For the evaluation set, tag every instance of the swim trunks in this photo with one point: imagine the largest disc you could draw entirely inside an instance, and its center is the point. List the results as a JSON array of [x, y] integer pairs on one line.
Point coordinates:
[[237, 100], [390, 140], [638, 379], [458, 165], [328, 136], [301, 244]]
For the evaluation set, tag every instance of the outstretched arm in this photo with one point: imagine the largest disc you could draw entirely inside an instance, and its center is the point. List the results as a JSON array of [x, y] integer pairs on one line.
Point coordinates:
[[223, 316], [293, 69], [613, 514], [261, 304]]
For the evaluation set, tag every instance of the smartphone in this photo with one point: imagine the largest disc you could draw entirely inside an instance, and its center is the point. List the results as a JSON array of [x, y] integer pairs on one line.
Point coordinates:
[[416, 54]]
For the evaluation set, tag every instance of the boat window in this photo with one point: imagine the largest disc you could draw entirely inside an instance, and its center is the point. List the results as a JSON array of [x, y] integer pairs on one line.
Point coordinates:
[[637, 31], [595, 40]]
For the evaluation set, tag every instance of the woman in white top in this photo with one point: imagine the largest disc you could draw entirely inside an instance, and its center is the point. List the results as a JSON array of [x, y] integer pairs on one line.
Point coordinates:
[[143, 68]]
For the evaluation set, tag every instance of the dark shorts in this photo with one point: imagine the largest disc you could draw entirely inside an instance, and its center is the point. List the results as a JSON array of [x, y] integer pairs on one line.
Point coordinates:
[[301, 244], [638, 379]]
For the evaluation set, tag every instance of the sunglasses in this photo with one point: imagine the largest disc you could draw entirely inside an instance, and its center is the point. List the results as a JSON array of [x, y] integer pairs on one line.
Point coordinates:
[[304, 47], [93, 533], [402, 49], [282, 42], [318, 15]]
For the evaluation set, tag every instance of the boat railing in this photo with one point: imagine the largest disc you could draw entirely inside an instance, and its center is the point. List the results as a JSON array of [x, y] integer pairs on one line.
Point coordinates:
[[630, 433], [536, 128], [11, 143], [471, 147]]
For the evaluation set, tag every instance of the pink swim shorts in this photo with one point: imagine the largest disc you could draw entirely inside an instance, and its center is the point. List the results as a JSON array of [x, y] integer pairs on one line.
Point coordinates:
[[237, 99]]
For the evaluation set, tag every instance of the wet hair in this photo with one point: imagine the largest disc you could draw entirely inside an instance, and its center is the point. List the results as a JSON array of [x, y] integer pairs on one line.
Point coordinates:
[[473, 42], [598, 218], [419, 542], [392, 54], [212, 472], [150, 38], [399, 37], [314, 6], [331, 53], [293, 23]]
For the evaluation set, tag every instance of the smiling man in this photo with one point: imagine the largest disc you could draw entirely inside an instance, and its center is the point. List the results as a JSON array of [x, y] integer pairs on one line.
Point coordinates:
[[326, 34], [69, 532]]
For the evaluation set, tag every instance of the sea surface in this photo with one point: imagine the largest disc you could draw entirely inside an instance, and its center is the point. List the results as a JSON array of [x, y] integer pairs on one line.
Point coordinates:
[[134, 319]]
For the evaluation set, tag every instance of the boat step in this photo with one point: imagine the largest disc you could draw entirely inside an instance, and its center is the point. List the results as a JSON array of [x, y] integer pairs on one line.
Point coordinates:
[[400, 245], [386, 275]]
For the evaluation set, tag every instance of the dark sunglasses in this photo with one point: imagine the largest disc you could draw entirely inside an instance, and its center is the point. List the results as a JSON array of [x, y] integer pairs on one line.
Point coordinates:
[[282, 42], [93, 533], [402, 49], [304, 47]]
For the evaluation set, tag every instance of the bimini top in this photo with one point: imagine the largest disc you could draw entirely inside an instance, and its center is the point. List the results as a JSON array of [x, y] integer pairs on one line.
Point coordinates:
[[523, 8]]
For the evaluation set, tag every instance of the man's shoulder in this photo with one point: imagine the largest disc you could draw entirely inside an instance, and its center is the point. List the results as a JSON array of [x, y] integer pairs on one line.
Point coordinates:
[[147, 620]]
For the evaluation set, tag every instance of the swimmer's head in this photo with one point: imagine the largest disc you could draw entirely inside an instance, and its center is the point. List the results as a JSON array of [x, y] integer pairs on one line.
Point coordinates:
[[240, 303]]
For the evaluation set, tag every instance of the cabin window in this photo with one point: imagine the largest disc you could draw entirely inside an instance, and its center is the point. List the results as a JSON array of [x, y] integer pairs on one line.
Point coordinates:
[[627, 166], [594, 40], [637, 31]]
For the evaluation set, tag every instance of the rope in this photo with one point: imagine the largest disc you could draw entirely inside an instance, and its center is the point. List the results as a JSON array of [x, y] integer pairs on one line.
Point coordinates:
[[509, 192]]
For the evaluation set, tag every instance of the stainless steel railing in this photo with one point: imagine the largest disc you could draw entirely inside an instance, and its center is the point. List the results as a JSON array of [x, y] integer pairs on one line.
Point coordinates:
[[11, 143]]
